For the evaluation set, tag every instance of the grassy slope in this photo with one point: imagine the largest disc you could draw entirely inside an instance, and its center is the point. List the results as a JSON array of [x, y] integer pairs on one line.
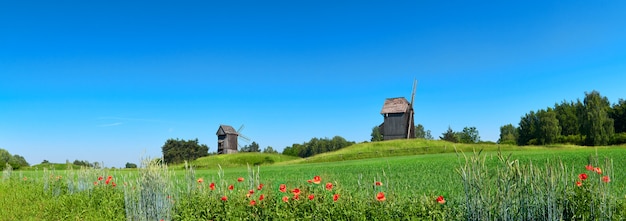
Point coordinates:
[[238, 160]]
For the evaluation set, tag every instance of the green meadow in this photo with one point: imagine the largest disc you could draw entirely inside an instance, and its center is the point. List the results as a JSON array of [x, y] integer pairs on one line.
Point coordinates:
[[411, 174]]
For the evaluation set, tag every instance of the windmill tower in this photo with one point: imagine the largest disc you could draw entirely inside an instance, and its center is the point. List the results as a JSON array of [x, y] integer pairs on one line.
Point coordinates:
[[399, 117], [227, 139]]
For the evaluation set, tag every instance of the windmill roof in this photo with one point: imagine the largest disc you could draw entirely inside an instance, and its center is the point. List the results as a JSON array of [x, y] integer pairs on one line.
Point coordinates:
[[395, 105], [226, 129]]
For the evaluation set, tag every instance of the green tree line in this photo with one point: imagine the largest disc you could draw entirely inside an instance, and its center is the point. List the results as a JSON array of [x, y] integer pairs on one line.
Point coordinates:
[[317, 146], [178, 151], [15, 161], [592, 122]]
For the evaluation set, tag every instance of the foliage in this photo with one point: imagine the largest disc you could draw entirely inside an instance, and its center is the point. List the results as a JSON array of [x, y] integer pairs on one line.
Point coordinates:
[[449, 135], [130, 165], [269, 149], [596, 124], [618, 114], [177, 151], [508, 134], [253, 147], [83, 163], [421, 133], [317, 146], [567, 115], [15, 161], [548, 129], [376, 135], [469, 135]]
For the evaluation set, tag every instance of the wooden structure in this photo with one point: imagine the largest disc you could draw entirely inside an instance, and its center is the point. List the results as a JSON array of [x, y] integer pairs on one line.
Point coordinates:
[[226, 140], [399, 118]]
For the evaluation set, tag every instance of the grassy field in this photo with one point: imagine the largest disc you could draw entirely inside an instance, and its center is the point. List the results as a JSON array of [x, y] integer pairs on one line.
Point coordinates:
[[412, 175]]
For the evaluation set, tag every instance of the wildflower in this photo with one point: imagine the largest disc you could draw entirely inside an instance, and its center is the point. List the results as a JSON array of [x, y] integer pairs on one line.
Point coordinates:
[[380, 196], [579, 184], [252, 203], [296, 191], [378, 183], [582, 176], [317, 179], [335, 197], [296, 197], [100, 178], [95, 183], [309, 181], [283, 188], [240, 179], [212, 186], [224, 198], [441, 200], [311, 197], [598, 170], [113, 184], [329, 186], [108, 180], [231, 187], [285, 199], [589, 167], [200, 180], [606, 179], [260, 186], [261, 197], [251, 191]]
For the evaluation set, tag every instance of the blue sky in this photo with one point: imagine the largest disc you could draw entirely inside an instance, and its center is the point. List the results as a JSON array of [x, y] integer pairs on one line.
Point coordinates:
[[112, 81]]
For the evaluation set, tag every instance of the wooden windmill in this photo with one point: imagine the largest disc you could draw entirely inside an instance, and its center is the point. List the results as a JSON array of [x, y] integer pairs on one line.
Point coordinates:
[[227, 139], [399, 117]]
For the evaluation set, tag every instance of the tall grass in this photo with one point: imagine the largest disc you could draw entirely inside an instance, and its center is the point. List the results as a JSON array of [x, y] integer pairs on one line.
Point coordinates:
[[150, 195]]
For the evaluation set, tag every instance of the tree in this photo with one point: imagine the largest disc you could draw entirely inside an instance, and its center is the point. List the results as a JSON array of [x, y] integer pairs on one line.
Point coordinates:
[[566, 114], [597, 126], [421, 133], [317, 146], [527, 129], [269, 149], [45, 162], [548, 127], [618, 114], [15, 161], [508, 134], [376, 135], [253, 147], [130, 165], [449, 135], [469, 135], [178, 151]]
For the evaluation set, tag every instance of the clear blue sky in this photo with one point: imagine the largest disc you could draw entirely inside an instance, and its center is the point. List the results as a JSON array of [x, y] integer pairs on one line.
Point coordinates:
[[111, 81]]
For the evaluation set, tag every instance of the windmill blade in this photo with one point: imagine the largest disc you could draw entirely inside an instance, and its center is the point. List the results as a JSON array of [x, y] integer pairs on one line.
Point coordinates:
[[413, 94], [244, 138], [240, 128]]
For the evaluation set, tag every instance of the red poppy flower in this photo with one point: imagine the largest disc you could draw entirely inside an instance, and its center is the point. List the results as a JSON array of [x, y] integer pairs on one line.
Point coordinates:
[[260, 187], [285, 199], [335, 197], [212, 186], [380, 196], [589, 167], [309, 181], [296, 191], [252, 203], [200, 180], [606, 179], [240, 179], [283, 188], [598, 170], [578, 183], [261, 197], [296, 197], [378, 183], [231, 187], [329, 186], [224, 198], [95, 183], [311, 197], [441, 200], [251, 191], [100, 178], [113, 184], [317, 179], [582, 176]]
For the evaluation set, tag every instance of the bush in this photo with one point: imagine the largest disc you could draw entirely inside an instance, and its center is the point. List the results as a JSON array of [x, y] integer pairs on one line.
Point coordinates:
[[619, 138]]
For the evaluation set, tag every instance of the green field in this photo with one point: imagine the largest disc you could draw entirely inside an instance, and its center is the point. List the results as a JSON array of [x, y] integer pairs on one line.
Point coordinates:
[[413, 174]]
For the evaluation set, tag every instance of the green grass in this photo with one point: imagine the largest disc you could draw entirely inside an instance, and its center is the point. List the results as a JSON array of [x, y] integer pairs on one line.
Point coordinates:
[[237, 160]]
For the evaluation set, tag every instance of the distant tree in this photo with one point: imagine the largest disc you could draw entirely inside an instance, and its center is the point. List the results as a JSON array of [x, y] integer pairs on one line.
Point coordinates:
[[527, 130], [83, 163], [376, 135], [597, 126], [178, 151], [420, 132], [508, 134], [317, 146], [45, 162], [253, 147], [469, 135], [130, 165], [269, 149], [567, 115], [548, 129], [449, 135], [618, 114], [15, 161]]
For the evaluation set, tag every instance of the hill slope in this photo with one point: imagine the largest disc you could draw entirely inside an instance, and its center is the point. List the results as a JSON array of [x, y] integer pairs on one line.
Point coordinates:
[[239, 159]]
